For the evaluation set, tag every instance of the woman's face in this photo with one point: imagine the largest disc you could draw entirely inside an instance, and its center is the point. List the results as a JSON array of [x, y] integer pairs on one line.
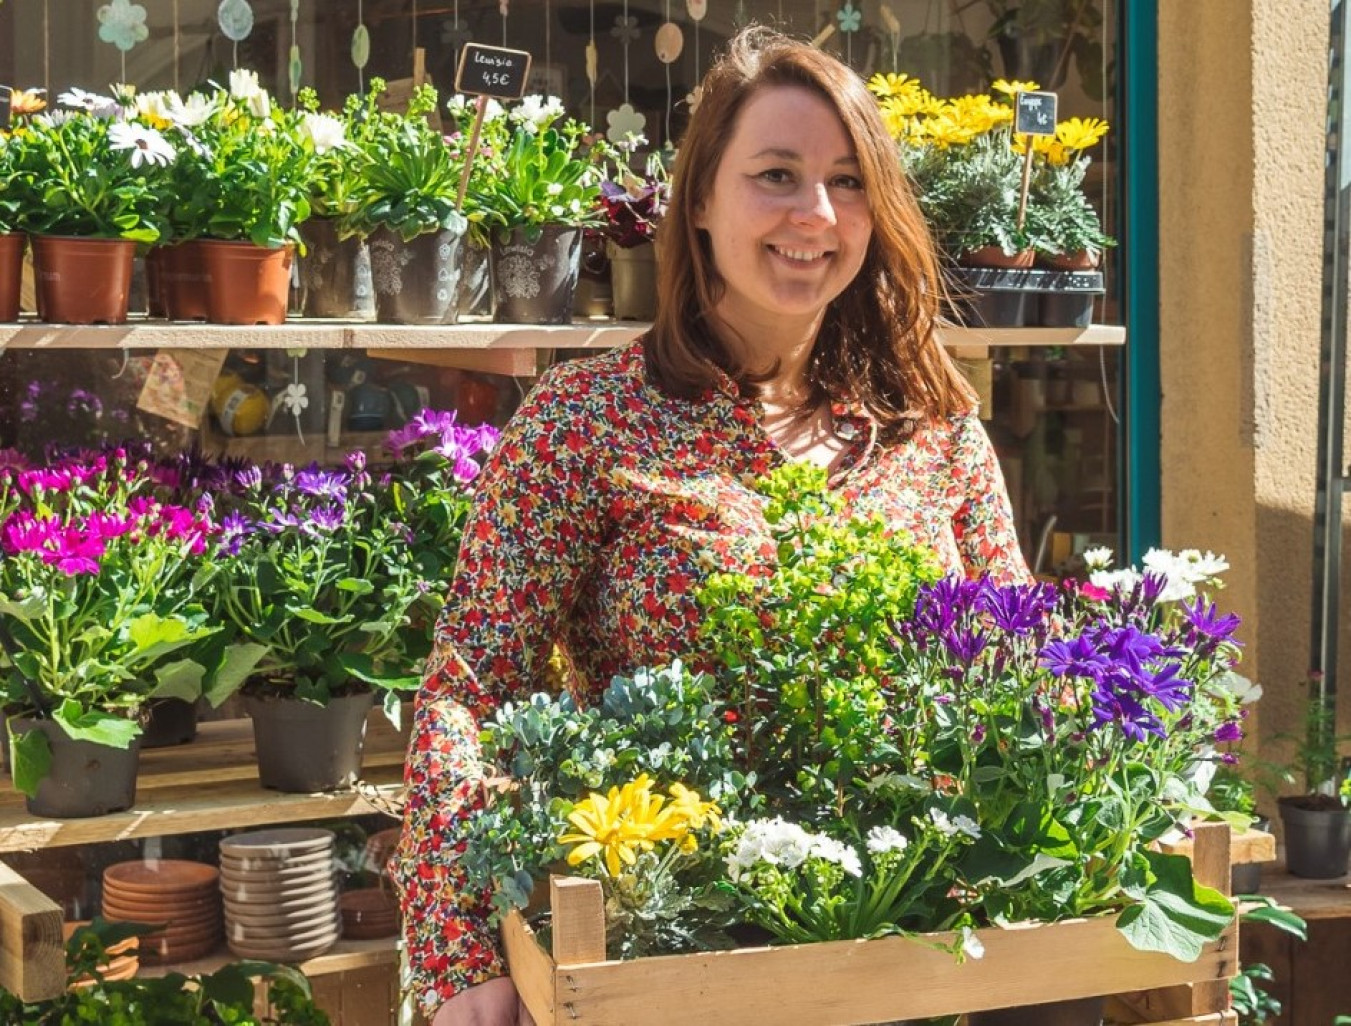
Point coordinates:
[[787, 216]]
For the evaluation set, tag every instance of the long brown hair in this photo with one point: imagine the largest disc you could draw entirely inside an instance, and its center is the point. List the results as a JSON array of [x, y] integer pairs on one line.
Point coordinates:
[[876, 344]]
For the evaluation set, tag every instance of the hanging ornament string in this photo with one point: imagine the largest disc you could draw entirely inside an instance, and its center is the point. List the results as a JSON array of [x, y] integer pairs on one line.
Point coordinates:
[[236, 21], [591, 60], [415, 32], [503, 7], [669, 42], [625, 35], [548, 38], [850, 19], [46, 49], [361, 47], [294, 67], [178, 44], [293, 397]]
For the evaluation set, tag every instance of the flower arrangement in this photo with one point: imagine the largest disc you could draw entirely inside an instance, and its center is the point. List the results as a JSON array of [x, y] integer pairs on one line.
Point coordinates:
[[88, 170], [890, 751], [101, 604], [534, 171], [966, 164]]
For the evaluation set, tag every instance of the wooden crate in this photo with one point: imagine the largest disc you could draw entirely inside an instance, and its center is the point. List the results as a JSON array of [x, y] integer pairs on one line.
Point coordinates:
[[844, 982]]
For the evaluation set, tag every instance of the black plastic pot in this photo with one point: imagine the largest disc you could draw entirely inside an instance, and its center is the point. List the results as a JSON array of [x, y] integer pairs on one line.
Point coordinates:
[[171, 721], [86, 779], [1246, 877], [303, 747], [416, 282], [1317, 841], [535, 274], [1016, 297]]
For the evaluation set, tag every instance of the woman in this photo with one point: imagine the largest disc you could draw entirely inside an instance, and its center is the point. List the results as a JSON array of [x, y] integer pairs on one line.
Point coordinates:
[[797, 302]]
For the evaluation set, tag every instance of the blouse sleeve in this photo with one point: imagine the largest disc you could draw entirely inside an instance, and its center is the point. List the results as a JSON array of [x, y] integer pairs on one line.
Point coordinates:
[[529, 540], [983, 524]]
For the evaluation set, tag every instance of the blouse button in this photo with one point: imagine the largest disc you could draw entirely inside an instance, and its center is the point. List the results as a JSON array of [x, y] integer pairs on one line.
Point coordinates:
[[846, 430]]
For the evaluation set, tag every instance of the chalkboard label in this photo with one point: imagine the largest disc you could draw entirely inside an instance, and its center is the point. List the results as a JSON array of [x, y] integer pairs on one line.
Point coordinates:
[[492, 71], [1035, 114]]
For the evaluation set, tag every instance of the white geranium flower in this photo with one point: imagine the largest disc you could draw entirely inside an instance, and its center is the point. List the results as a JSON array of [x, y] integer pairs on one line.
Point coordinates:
[[325, 131], [194, 111], [462, 106], [771, 841], [1115, 580], [244, 87], [950, 826], [1204, 566], [145, 145], [535, 112], [1099, 558], [882, 839], [966, 825]]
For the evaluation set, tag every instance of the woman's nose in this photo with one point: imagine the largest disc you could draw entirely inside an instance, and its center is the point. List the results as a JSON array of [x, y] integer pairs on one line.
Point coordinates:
[[814, 206]]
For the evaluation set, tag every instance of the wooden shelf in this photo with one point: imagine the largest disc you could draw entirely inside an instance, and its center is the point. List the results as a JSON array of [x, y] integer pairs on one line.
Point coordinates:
[[1244, 848], [343, 957], [432, 341], [1311, 899], [209, 784]]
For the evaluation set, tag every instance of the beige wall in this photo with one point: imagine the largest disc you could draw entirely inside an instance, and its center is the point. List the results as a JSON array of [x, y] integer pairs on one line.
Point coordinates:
[[1242, 87]]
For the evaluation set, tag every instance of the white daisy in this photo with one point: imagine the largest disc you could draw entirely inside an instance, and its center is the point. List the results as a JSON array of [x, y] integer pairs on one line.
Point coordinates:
[[146, 146]]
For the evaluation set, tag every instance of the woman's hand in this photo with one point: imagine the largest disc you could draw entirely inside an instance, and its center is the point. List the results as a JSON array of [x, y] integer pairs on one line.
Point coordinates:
[[494, 1003]]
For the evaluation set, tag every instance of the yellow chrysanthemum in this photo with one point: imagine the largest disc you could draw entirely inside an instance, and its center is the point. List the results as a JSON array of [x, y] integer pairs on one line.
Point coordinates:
[[1043, 144], [888, 84], [1011, 86], [26, 101], [624, 821], [1080, 133]]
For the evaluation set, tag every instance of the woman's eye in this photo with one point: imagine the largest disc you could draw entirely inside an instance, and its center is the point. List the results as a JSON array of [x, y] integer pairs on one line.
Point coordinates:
[[777, 175], [848, 182]]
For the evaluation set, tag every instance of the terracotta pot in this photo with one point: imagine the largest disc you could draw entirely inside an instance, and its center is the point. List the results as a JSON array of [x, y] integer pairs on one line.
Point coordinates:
[[82, 280], [1079, 260], [11, 274], [535, 274], [183, 281], [248, 284], [633, 281], [154, 287], [993, 256]]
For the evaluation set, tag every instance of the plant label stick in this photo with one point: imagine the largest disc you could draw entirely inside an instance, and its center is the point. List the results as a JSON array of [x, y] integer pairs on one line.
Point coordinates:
[[1033, 114], [486, 71]]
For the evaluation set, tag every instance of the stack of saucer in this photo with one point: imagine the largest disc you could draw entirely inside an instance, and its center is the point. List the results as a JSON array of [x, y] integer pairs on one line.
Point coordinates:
[[180, 895], [281, 900], [368, 913], [122, 961]]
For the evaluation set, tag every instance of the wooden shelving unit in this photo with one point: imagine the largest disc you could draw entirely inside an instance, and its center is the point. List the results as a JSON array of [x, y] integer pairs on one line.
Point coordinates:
[[209, 784]]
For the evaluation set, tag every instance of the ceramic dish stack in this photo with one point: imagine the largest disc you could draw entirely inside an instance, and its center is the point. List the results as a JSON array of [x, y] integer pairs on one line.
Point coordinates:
[[181, 895], [368, 913], [281, 898], [123, 960]]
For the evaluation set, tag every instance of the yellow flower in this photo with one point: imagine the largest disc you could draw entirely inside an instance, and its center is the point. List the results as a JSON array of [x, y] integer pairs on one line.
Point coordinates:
[[26, 101], [626, 820], [598, 819], [884, 85], [1080, 133], [1010, 86], [695, 811]]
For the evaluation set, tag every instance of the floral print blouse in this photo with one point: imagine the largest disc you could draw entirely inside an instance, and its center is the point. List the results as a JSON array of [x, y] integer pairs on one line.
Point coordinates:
[[597, 517]]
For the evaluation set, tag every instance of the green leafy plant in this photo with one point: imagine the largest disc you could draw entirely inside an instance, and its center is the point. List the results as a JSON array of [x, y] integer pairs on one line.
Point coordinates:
[[222, 998], [90, 171], [101, 607], [1251, 1001], [1316, 762]]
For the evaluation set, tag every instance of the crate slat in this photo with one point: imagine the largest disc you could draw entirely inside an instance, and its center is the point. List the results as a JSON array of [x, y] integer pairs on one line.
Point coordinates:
[[32, 950]]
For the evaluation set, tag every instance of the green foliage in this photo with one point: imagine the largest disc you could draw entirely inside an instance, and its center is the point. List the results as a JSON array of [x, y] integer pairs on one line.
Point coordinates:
[[67, 178], [1061, 218], [222, 998], [1251, 1002]]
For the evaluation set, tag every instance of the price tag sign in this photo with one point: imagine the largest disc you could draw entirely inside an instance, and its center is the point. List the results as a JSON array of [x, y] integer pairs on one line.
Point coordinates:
[[492, 71], [1034, 113]]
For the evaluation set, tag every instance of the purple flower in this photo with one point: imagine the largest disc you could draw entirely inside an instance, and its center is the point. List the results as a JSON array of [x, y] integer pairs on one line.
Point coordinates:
[[1077, 657], [1208, 628], [965, 645], [1228, 732], [941, 605], [1017, 609], [322, 484], [325, 520]]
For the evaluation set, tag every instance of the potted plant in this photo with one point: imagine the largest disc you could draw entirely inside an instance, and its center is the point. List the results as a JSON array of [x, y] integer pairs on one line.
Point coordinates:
[[405, 203], [253, 163], [335, 272], [544, 191], [101, 614], [225, 996], [12, 240], [635, 203], [1316, 823], [892, 753], [86, 190], [1231, 792], [1068, 230]]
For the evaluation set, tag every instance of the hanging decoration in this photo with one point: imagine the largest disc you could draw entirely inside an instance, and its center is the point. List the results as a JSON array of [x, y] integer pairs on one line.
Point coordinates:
[[624, 121], [850, 19], [698, 10], [122, 23], [455, 33], [361, 47], [294, 68], [293, 398], [504, 8], [893, 27], [236, 21], [669, 42], [592, 60], [178, 44], [739, 14]]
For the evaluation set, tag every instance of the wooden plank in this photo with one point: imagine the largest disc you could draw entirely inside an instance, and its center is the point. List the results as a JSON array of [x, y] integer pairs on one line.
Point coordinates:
[[311, 333], [874, 981], [517, 363], [1211, 858], [1312, 899], [578, 908], [1245, 847], [532, 970], [1225, 1018], [32, 950], [345, 956]]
